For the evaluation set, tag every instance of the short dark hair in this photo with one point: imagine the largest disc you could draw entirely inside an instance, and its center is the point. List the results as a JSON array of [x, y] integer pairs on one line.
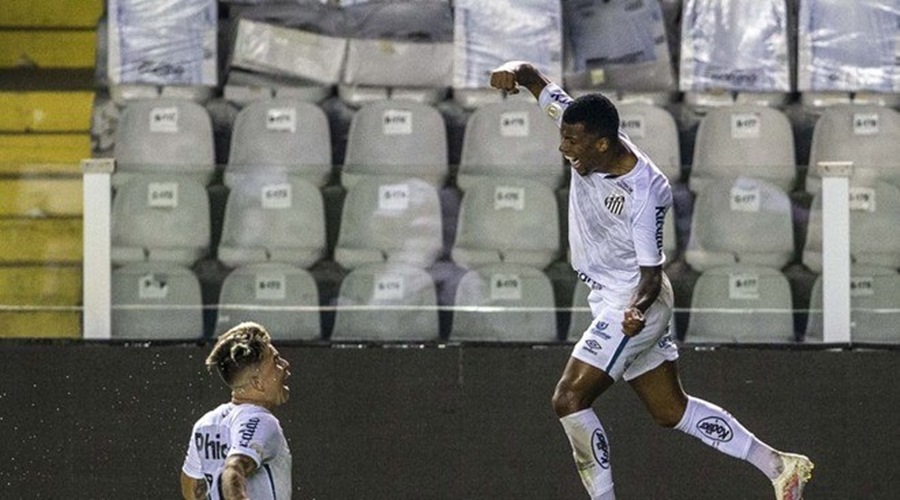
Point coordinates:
[[240, 347], [596, 112]]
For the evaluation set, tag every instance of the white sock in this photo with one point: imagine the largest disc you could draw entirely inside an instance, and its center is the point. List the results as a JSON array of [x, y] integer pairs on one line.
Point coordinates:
[[717, 428], [590, 447]]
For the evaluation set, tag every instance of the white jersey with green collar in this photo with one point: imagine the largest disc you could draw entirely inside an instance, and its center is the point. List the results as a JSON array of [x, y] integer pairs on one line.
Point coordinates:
[[244, 429], [615, 222]]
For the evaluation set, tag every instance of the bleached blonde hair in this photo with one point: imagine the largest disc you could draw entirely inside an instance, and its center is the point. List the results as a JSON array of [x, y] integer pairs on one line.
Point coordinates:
[[242, 346]]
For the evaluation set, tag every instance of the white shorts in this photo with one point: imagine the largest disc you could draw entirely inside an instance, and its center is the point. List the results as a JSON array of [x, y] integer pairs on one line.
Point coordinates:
[[604, 346]]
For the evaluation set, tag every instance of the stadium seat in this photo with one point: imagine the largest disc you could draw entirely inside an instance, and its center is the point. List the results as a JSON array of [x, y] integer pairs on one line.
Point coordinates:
[[398, 303], [156, 301], [281, 135], [743, 140], [265, 293], [874, 239], [506, 219], [511, 138], [390, 219], [171, 136], [740, 221], [495, 301], [160, 218], [865, 135], [273, 218], [401, 138], [874, 306], [743, 304], [653, 129]]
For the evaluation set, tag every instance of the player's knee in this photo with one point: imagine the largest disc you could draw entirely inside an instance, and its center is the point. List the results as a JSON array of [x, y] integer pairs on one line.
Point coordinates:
[[567, 401]]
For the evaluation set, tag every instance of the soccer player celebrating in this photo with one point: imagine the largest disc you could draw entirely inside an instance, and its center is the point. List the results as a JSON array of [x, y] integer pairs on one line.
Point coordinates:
[[238, 450], [618, 200]]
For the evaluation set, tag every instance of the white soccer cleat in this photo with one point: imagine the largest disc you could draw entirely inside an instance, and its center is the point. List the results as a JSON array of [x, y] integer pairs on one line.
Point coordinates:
[[797, 472]]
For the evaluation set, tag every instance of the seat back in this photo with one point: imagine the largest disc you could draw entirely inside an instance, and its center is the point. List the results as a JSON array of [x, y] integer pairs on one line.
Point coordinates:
[[156, 301], [160, 218], [743, 304], [281, 135], [164, 135], [874, 239], [754, 141], [273, 218], [281, 297], [386, 302], [874, 306], [511, 138], [504, 303], [744, 220], [507, 219], [390, 219], [653, 129], [396, 137], [864, 135]]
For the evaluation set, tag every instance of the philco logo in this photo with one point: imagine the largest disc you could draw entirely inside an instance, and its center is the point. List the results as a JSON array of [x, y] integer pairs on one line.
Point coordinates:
[[716, 429], [615, 203], [212, 448], [600, 447]]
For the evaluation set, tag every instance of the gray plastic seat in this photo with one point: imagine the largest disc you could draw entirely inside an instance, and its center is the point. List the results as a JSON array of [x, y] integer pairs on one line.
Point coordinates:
[[866, 135], [744, 140], [741, 304], [161, 218], [874, 239], [397, 138], [156, 301], [505, 219], [165, 135], [504, 303], [874, 306], [281, 135], [390, 219], [653, 129], [273, 218], [386, 302], [508, 139], [741, 221], [266, 293]]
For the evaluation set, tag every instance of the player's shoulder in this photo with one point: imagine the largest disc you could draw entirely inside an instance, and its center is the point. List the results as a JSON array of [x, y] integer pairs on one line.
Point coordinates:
[[255, 415], [214, 416]]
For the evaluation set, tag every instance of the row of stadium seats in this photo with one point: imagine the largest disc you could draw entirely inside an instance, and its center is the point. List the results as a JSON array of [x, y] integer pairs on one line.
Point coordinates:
[[500, 219], [512, 137], [493, 303]]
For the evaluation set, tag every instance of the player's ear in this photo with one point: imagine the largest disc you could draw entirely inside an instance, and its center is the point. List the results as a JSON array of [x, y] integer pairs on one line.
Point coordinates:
[[602, 144]]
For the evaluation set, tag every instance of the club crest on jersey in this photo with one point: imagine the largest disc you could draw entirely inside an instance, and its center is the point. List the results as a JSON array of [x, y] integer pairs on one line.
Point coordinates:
[[615, 202]]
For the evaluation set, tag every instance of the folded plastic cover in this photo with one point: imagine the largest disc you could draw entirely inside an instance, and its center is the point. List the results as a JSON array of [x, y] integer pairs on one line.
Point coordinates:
[[849, 46], [405, 44], [163, 42], [735, 45], [488, 33], [618, 45]]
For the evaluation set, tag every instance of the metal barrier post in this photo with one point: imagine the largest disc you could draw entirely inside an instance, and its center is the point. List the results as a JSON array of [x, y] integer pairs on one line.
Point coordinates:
[[836, 251], [97, 270]]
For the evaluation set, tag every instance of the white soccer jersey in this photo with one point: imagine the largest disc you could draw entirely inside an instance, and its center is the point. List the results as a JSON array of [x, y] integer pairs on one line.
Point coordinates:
[[247, 430], [615, 223]]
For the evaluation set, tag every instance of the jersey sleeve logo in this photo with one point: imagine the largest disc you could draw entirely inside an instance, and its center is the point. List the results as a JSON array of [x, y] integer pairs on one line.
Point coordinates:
[[615, 203]]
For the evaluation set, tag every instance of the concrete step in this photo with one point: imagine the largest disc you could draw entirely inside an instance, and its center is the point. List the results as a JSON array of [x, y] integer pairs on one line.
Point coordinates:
[[45, 111], [51, 13], [41, 196], [58, 48], [44, 148], [40, 241]]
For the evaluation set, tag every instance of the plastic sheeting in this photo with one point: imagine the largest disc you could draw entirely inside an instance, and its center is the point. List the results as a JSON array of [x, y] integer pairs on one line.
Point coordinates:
[[735, 45], [163, 42], [488, 33], [849, 46], [620, 45]]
